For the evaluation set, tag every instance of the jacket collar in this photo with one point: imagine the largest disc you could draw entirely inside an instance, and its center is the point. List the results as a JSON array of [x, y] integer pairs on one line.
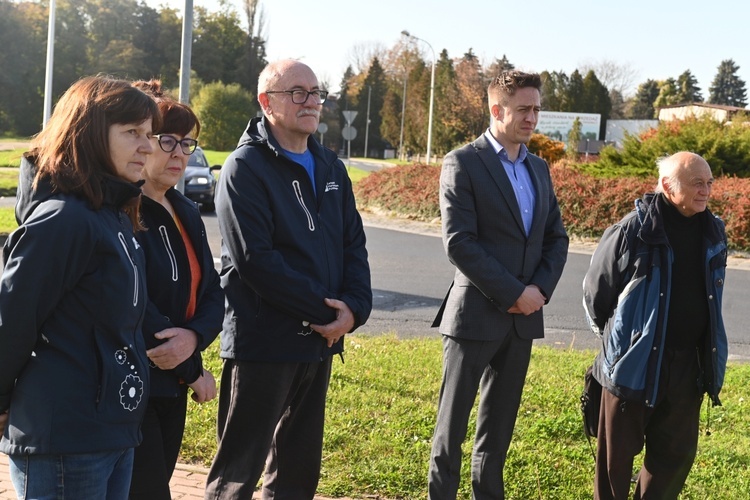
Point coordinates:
[[650, 213]]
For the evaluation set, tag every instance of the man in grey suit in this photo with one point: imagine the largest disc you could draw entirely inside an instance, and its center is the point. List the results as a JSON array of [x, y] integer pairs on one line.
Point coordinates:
[[503, 231]]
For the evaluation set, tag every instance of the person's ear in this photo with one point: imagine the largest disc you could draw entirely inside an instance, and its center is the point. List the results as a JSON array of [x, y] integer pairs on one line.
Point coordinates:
[[665, 186], [498, 112], [265, 104]]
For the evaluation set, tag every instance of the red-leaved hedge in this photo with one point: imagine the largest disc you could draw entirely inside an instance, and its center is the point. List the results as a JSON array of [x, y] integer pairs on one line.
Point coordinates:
[[588, 204]]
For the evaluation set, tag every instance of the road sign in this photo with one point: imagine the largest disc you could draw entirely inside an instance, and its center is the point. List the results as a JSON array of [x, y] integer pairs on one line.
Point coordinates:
[[349, 133], [322, 128], [349, 116]]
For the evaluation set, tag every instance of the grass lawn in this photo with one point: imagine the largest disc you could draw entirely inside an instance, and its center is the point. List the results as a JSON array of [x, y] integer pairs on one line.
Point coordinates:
[[11, 157], [381, 412], [218, 157]]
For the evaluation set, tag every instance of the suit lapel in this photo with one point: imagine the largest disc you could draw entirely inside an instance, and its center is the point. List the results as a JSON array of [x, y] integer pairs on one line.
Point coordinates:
[[494, 166]]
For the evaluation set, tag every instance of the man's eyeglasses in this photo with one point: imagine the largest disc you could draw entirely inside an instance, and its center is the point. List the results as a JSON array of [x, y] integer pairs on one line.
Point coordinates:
[[168, 143], [301, 96]]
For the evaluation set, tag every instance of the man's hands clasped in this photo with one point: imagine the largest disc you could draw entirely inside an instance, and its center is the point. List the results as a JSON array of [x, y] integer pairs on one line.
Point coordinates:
[[339, 327]]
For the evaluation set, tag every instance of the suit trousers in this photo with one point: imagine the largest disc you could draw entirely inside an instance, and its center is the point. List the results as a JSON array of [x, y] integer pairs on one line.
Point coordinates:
[[669, 431], [272, 415], [498, 369]]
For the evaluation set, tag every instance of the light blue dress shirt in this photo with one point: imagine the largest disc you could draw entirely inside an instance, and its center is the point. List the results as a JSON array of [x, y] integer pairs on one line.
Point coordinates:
[[520, 179]]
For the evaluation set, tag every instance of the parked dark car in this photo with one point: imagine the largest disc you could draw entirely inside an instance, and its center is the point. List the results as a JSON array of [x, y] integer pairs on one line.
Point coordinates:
[[200, 182]]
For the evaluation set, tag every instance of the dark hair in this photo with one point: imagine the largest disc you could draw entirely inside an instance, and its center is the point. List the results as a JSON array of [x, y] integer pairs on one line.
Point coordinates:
[[178, 118], [507, 83], [73, 149]]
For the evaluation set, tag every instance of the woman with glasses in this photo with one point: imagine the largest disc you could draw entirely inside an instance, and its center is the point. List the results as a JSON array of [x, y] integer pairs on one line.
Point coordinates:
[[73, 365], [186, 302]]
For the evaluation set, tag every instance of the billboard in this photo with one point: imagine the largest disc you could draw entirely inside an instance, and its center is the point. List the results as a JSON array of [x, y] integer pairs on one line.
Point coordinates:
[[556, 125]]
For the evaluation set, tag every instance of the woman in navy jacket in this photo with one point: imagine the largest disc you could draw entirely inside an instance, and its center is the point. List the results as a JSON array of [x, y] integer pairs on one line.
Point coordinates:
[[73, 366], [186, 302]]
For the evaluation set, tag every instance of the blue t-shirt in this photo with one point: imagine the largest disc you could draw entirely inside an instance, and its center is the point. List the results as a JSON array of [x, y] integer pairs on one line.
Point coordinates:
[[307, 161]]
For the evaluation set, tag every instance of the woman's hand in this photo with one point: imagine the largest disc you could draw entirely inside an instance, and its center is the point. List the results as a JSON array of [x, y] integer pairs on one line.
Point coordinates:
[[180, 345], [204, 388]]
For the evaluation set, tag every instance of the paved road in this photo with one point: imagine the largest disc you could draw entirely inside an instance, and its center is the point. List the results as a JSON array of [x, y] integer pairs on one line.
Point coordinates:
[[410, 275]]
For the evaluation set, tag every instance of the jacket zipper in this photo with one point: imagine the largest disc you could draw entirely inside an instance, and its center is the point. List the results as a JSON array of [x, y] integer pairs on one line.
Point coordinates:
[[300, 199], [170, 252], [124, 244]]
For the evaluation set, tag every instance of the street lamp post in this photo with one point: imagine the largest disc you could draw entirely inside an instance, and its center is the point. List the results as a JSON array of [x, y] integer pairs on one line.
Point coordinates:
[[403, 109], [367, 123], [432, 92], [50, 64]]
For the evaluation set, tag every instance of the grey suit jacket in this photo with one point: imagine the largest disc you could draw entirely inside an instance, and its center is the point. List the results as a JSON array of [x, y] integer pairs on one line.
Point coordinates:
[[484, 238]]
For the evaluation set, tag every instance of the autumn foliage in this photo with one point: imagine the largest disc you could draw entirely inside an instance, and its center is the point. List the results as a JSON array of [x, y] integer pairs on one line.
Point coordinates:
[[589, 204]]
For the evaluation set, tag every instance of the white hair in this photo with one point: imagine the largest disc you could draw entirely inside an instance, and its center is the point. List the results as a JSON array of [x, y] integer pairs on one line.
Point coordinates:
[[668, 167]]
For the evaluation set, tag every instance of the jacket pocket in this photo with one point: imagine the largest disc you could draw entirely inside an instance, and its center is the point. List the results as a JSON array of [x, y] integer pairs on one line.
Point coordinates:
[[122, 391]]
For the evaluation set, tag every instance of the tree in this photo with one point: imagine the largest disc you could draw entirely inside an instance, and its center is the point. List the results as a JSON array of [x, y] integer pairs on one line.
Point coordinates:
[[554, 89], [619, 77], [687, 88], [643, 102], [727, 88], [114, 38], [223, 111], [470, 109], [446, 136], [23, 30], [572, 98], [596, 100], [574, 137], [497, 67], [373, 90], [254, 55], [668, 94], [219, 46]]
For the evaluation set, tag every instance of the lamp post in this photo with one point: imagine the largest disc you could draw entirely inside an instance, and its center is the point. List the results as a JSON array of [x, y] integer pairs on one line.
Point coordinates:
[[432, 92], [50, 64], [403, 109], [367, 123]]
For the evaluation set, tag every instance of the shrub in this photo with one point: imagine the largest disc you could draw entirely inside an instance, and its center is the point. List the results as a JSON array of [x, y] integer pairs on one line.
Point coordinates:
[[726, 147], [589, 204], [224, 111], [409, 190], [547, 148]]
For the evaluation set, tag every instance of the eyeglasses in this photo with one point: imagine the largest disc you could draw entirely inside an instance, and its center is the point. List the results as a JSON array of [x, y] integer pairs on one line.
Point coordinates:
[[168, 143], [300, 96]]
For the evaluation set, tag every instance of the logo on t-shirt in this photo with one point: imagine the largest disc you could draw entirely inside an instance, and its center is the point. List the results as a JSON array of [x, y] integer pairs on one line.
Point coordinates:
[[331, 186]]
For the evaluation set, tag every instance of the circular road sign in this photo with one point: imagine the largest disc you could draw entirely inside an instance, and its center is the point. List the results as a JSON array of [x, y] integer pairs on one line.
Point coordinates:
[[349, 133], [322, 128]]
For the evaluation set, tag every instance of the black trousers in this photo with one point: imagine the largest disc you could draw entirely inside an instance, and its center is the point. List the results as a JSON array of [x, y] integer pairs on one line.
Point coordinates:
[[272, 415], [669, 431], [154, 460]]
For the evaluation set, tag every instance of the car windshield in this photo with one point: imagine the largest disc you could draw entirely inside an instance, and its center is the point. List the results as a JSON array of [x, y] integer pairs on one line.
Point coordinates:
[[197, 159]]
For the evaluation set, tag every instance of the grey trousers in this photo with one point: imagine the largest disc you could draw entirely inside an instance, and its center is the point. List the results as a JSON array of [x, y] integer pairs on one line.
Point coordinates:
[[498, 369], [272, 415]]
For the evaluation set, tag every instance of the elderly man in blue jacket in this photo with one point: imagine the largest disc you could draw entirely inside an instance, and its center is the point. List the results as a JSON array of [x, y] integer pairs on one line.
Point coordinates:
[[653, 294], [296, 278]]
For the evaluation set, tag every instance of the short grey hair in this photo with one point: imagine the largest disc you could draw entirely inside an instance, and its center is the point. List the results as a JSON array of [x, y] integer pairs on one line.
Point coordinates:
[[667, 170], [273, 72]]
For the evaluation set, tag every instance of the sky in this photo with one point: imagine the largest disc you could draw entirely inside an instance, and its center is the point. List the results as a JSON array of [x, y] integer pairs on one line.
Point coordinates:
[[657, 39]]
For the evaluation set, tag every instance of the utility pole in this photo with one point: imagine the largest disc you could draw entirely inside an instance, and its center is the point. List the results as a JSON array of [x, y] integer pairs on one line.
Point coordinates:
[[367, 123]]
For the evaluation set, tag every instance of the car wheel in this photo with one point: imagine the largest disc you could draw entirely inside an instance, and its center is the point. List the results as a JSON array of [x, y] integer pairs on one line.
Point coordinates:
[[208, 207]]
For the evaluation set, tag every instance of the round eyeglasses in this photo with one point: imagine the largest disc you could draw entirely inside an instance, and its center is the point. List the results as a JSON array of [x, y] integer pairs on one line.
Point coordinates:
[[300, 96], [168, 143]]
